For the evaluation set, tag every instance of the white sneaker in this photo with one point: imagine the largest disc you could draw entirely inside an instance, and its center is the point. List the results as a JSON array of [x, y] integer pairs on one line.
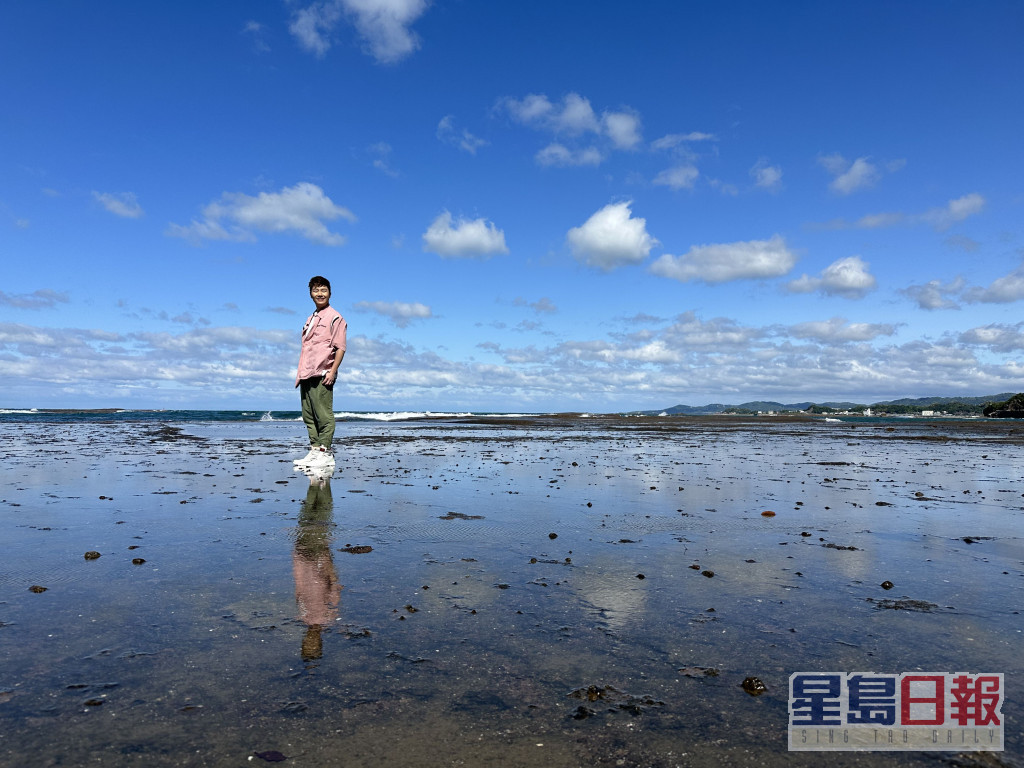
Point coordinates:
[[321, 458], [307, 458]]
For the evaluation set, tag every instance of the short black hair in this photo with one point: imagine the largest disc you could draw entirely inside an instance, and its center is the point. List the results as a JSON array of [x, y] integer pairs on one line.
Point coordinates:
[[318, 280]]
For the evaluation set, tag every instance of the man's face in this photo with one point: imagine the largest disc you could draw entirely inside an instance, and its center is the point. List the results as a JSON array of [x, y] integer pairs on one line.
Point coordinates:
[[321, 295]]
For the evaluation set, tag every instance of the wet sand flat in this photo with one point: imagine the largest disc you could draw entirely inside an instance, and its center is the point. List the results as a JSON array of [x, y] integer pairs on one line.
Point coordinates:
[[515, 592]]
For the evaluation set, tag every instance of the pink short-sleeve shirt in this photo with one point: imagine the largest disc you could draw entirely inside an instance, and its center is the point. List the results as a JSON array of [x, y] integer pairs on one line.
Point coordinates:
[[323, 336]]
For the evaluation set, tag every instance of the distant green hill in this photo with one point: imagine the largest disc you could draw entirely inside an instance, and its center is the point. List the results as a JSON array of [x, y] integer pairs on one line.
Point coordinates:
[[905, 405]]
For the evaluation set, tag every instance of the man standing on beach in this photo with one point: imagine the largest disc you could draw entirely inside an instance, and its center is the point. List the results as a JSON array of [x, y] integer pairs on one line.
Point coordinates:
[[323, 348]]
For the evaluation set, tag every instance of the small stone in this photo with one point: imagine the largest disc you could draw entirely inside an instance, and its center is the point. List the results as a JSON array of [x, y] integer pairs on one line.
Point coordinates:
[[37, 589], [754, 686], [271, 756], [137, 561], [709, 574], [640, 576], [767, 513], [91, 555], [552, 535], [887, 584]]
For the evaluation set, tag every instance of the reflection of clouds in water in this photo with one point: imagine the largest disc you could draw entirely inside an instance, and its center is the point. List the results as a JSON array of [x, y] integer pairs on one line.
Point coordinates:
[[613, 589]]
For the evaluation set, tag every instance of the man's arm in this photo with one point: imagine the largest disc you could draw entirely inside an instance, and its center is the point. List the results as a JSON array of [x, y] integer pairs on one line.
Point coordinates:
[[332, 375]]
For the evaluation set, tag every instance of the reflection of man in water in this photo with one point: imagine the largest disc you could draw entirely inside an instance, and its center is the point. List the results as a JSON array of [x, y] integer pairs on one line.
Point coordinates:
[[317, 590]]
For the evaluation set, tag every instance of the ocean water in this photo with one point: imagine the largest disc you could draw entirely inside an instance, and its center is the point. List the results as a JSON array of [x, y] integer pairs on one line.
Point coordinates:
[[507, 590], [121, 415]]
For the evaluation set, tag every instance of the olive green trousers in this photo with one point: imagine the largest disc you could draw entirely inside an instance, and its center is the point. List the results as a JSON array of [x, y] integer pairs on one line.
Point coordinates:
[[318, 410]]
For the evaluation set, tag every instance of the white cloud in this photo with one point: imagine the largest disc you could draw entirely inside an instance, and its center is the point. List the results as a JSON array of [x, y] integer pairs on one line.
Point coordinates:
[[623, 128], [725, 188], [954, 211], [849, 177], [766, 176], [44, 298], [724, 262], [399, 312], [464, 140], [574, 120], [533, 108], [880, 220], [848, 277], [382, 158], [384, 25], [839, 330], [576, 116], [997, 337], [611, 238], [720, 333], [941, 218], [672, 140], [935, 294], [123, 204], [466, 239], [542, 305], [1002, 290], [301, 209], [255, 31], [312, 25], [679, 177], [560, 156], [692, 360]]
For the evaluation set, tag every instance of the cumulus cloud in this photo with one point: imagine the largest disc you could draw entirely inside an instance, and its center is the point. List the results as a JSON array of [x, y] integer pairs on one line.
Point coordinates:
[[611, 238], [44, 298], [839, 330], [575, 119], [560, 156], [935, 294], [679, 177], [997, 337], [954, 211], [724, 262], [399, 312], [301, 210], [766, 176], [1002, 290], [576, 116], [123, 204], [720, 333], [691, 360], [477, 238], [312, 26], [849, 177], [384, 26], [623, 128], [573, 116], [463, 139], [848, 277]]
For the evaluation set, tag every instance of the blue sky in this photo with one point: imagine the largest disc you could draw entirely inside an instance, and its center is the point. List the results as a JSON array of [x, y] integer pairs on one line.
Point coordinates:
[[520, 205]]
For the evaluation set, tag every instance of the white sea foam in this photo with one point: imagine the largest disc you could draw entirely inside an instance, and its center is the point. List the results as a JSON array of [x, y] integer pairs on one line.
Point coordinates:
[[18, 410], [397, 415]]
